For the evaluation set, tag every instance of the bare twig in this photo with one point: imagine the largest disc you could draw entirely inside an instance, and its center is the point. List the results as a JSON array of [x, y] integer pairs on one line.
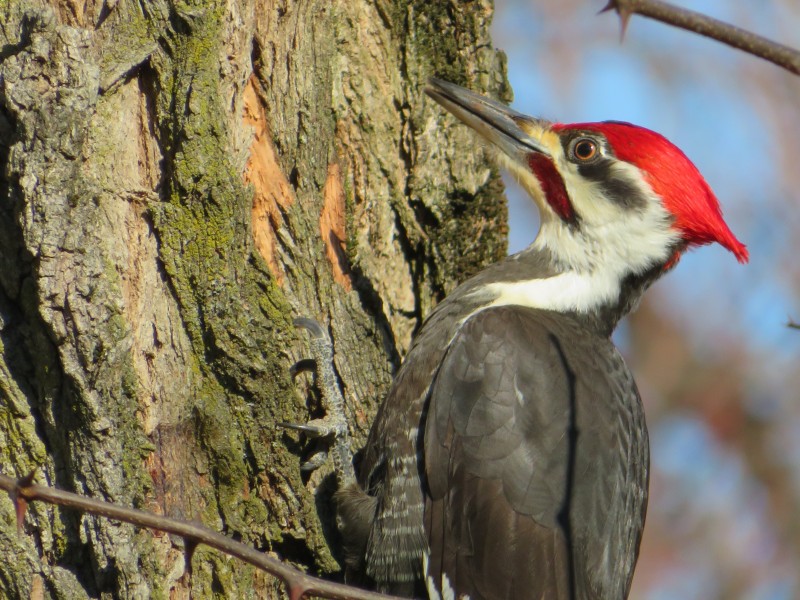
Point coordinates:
[[299, 585], [776, 53], [792, 324]]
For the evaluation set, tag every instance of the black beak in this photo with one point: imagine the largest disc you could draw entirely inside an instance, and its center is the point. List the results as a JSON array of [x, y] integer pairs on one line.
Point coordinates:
[[510, 131]]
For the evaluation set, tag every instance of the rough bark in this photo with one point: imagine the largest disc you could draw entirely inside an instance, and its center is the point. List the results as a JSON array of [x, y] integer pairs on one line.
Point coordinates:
[[180, 180]]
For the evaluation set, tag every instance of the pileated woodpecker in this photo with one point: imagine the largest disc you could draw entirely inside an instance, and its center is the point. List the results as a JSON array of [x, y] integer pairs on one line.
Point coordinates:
[[510, 458]]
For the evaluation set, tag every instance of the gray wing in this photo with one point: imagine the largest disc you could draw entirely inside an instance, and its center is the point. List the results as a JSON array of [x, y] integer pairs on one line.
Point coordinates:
[[534, 467]]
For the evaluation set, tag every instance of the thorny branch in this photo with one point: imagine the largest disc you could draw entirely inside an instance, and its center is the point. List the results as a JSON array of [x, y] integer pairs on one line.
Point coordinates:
[[298, 584], [776, 53]]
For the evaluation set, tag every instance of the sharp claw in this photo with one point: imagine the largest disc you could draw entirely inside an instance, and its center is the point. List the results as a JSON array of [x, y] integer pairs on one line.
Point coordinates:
[[302, 366], [304, 427], [319, 427], [317, 460], [313, 326]]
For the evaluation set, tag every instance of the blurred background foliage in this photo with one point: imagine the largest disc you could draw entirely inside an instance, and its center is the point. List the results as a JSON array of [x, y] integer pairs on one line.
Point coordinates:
[[715, 361]]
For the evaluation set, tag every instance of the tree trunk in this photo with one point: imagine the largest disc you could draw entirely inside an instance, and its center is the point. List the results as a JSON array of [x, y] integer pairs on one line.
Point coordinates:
[[181, 180]]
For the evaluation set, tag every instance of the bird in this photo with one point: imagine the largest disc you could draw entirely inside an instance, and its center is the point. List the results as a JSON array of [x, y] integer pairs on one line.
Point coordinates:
[[510, 458]]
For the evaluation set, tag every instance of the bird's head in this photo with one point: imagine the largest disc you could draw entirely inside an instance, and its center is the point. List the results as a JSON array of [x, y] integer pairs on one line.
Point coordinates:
[[612, 196]]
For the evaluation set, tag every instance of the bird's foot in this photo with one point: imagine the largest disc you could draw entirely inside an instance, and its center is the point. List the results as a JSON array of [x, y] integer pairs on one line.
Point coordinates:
[[334, 424]]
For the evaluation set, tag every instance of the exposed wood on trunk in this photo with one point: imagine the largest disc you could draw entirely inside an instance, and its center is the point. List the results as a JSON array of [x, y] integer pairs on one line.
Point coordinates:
[[332, 224], [272, 192]]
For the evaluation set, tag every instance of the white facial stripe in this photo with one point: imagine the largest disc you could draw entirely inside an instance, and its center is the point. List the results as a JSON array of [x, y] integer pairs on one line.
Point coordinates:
[[610, 241], [568, 291], [610, 237]]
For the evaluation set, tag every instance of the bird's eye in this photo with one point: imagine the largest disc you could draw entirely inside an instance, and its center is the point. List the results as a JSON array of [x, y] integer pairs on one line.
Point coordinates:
[[584, 149]]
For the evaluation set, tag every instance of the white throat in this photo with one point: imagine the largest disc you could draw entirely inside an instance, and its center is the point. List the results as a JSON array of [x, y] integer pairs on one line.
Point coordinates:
[[594, 259]]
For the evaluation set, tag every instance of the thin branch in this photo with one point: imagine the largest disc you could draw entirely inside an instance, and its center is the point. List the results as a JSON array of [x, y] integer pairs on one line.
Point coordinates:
[[299, 584], [792, 324], [776, 53]]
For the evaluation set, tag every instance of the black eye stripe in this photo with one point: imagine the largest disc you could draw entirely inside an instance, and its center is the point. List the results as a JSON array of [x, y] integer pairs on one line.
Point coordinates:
[[616, 187]]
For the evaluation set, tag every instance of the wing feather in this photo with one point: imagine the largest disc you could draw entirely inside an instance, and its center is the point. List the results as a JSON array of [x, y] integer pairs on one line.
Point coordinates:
[[535, 458]]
